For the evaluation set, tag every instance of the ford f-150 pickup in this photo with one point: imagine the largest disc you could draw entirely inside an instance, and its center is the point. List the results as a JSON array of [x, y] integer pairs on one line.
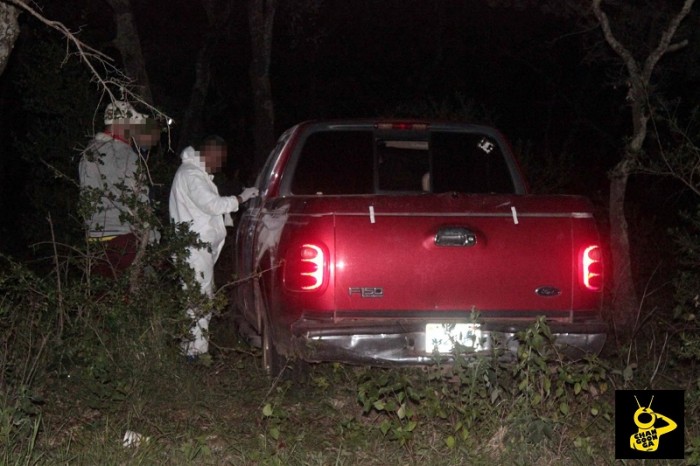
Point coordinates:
[[388, 242]]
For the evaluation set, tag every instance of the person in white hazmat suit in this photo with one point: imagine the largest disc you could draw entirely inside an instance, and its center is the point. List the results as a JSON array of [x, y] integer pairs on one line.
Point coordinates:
[[194, 199]]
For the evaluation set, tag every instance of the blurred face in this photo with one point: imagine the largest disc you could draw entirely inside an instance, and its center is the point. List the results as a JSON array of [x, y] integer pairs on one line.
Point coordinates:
[[214, 156], [147, 134], [121, 129]]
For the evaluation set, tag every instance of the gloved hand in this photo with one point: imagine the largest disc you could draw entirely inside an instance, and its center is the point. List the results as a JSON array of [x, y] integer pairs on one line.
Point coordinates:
[[248, 193]]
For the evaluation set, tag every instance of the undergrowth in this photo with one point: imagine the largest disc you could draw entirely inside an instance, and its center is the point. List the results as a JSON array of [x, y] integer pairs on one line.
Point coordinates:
[[527, 398], [58, 323], [84, 360]]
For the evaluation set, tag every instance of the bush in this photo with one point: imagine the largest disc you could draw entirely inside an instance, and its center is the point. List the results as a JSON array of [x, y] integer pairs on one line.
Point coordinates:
[[687, 288], [98, 336], [529, 397]]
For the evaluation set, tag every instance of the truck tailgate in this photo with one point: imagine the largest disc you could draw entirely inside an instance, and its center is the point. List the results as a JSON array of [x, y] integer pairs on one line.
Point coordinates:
[[495, 261]]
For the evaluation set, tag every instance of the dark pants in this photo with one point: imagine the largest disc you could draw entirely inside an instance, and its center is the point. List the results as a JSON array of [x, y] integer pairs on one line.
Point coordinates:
[[116, 255]]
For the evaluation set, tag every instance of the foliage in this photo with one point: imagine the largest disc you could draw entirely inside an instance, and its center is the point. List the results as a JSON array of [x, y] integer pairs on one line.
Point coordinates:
[[545, 173], [99, 336], [531, 396], [676, 158], [687, 288], [58, 113], [391, 394], [54, 96], [452, 108]]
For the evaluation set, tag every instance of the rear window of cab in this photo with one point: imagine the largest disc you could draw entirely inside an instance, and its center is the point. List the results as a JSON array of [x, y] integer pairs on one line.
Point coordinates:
[[355, 162]]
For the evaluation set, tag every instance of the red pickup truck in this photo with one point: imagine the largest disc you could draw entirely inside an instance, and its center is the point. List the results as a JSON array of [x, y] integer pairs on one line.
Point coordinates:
[[386, 242]]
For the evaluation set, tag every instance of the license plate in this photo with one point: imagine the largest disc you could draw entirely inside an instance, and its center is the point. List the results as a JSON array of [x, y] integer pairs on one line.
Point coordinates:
[[444, 337]]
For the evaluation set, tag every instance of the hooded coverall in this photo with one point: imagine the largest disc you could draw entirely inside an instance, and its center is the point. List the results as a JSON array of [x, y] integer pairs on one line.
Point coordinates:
[[194, 199]]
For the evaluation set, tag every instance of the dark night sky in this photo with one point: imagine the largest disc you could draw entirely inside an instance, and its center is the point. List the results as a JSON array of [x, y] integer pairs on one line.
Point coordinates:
[[540, 77]]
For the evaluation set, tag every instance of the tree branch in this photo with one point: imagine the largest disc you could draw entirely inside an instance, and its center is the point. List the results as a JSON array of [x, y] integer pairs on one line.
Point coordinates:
[[92, 58], [626, 56], [677, 46], [665, 41]]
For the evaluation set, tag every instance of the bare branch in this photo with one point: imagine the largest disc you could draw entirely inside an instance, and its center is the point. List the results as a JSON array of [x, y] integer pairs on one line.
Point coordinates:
[[93, 59], [84, 50], [677, 46], [664, 46], [665, 41], [627, 58], [681, 163]]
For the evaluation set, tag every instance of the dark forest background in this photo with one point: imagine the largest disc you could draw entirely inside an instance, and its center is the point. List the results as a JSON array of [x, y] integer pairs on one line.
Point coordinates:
[[95, 357], [541, 72]]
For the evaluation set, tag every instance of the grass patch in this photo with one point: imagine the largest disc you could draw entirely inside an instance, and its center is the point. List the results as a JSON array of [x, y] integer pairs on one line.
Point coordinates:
[[230, 412], [71, 392]]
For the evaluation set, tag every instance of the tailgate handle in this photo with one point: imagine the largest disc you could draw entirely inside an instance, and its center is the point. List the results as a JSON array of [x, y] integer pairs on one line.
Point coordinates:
[[455, 236]]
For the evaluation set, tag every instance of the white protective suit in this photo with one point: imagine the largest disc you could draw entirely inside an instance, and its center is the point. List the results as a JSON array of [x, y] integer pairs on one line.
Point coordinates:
[[194, 199]]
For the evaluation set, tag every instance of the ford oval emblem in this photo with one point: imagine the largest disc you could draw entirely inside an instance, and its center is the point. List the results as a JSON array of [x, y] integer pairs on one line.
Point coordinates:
[[548, 291]]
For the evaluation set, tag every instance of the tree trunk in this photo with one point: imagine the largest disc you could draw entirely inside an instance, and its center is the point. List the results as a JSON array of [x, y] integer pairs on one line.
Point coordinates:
[[9, 31], [192, 119], [128, 43], [218, 14], [625, 300], [261, 14], [626, 304]]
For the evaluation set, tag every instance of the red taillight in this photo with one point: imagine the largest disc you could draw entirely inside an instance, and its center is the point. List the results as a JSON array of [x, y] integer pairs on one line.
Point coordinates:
[[592, 268], [402, 126], [305, 269]]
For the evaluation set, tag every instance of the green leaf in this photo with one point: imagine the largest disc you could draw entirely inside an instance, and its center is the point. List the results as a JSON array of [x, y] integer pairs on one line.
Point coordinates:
[[494, 395], [379, 405], [577, 388], [450, 441], [385, 426], [547, 431], [275, 433], [628, 373], [401, 412], [564, 408], [267, 410], [411, 426], [594, 411]]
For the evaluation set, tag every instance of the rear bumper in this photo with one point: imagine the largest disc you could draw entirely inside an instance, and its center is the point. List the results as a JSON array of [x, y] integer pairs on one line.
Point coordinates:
[[403, 342]]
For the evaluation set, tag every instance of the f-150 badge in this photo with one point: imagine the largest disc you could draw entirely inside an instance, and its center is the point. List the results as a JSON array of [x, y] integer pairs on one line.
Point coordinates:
[[367, 292]]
